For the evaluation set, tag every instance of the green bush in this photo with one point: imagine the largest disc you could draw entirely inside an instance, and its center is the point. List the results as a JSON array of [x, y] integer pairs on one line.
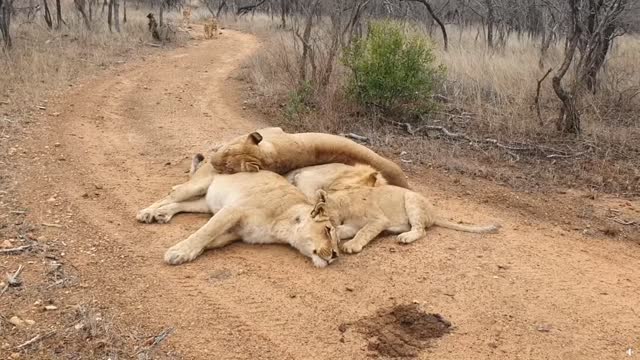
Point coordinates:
[[393, 70]]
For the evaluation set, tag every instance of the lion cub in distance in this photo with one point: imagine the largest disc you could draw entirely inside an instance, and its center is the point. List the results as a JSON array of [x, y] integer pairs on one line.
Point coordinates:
[[363, 210]]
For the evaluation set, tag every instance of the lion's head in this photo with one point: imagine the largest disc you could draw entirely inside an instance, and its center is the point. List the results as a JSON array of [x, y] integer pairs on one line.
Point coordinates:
[[239, 155], [314, 235]]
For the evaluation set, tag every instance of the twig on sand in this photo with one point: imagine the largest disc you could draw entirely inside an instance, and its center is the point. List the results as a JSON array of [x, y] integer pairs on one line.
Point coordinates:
[[12, 280], [157, 340], [356, 137], [52, 225], [15, 249], [35, 339]]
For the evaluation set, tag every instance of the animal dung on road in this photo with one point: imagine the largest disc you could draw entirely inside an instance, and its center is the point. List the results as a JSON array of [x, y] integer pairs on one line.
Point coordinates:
[[402, 330]]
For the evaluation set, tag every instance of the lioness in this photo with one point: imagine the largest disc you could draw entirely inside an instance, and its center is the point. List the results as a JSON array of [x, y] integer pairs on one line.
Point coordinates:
[[211, 29], [282, 152], [258, 208], [363, 212]]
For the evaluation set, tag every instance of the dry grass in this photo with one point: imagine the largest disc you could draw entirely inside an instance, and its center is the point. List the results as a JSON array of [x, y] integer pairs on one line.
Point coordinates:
[[497, 87]]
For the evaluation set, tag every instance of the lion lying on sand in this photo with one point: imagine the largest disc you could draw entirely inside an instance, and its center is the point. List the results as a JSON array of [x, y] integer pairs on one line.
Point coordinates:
[[273, 149], [258, 208], [361, 210]]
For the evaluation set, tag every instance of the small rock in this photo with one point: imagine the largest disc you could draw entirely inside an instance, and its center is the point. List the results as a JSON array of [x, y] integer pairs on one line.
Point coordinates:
[[348, 288], [51, 199], [16, 321], [29, 322], [292, 295], [342, 327], [15, 355], [56, 144], [97, 186], [37, 303], [79, 326], [50, 307], [392, 250], [544, 328], [6, 244]]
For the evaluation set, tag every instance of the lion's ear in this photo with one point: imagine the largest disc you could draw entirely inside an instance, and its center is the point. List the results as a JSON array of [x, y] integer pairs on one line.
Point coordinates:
[[250, 166], [319, 212], [372, 179], [321, 196], [254, 138]]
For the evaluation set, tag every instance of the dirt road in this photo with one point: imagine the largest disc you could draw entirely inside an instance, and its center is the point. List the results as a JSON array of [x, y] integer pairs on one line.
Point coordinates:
[[118, 142]]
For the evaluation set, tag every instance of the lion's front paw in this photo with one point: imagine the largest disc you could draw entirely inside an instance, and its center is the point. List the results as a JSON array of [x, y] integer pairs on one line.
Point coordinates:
[[410, 236], [145, 216], [351, 247], [180, 253]]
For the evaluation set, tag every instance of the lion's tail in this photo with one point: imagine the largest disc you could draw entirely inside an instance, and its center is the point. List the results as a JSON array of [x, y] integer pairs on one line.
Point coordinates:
[[333, 148], [468, 228]]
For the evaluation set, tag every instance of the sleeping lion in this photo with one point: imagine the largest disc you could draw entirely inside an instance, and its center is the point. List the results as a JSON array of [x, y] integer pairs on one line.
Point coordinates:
[[361, 212], [258, 208], [275, 150]]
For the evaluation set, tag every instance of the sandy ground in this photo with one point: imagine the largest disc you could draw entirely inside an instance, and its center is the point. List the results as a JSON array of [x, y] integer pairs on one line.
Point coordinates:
[[116, 143]]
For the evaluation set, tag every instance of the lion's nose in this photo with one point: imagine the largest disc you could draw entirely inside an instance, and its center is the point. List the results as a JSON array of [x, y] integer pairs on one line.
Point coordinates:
[[334, 254]]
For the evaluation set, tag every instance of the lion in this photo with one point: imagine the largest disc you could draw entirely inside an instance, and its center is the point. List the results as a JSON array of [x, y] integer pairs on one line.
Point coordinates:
[[310, 179], [186, 15], [258, 208], [282, 152], [361, 213], [211, 29]]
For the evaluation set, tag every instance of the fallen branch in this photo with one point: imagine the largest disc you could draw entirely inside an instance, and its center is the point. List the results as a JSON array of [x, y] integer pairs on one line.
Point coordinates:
[[15, 249], [153, 45], [34, 340], [356, 137], [539, 149], [623, 222], [536, 100], [12, 280], [158, 339]]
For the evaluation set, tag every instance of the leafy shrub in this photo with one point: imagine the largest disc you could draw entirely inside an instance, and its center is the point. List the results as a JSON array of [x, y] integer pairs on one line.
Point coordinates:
[[393, 70]]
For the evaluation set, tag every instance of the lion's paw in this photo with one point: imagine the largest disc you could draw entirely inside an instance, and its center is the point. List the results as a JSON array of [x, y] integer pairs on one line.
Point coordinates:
[[410, 236], [179, 254], [351, 247], [145, 216]]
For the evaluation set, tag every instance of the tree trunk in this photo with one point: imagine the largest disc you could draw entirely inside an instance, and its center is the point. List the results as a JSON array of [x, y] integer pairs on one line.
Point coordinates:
[[284, 9], [124, 11], [80, 5], [445, 38], [104, 4], [223, 4], [59, 15], [490, 23], [568, 121], [161, 14], [47, 15], [116, 15], [5, 21], [110, 15]]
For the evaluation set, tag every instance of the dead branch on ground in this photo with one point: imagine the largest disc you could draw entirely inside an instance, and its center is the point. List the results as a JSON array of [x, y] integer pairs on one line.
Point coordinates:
[[510, 149], [15, 249]]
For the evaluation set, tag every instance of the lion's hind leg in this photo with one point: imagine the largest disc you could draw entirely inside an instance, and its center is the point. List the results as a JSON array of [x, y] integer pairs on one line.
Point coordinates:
[[417, 214], [217, 228]]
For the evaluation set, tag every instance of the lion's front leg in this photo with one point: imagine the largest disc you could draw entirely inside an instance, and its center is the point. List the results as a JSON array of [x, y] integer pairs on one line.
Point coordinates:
[[216, 228], [364, 236], [180, 193], [164, 213]]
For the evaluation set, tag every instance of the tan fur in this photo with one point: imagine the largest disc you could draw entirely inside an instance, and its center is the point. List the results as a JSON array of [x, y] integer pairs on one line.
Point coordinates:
[[363, 212], [312, 178], [186, 15], [281, 152], [211, 29], [260, 207]]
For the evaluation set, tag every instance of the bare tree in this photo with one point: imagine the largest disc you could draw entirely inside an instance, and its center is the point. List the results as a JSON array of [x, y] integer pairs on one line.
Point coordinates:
[[116, 15], [443, 29], [6, 8], [80, 6], [59, 15], [47, 15]]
